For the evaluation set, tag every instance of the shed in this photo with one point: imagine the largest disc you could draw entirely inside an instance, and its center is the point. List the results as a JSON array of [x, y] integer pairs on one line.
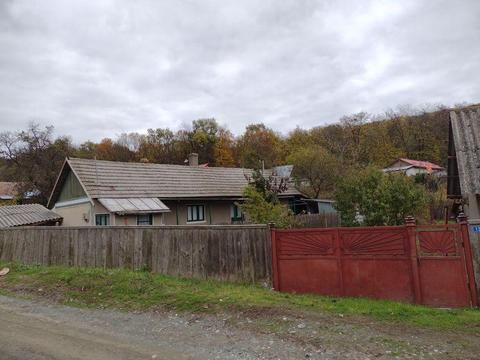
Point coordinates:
[[25, 215]]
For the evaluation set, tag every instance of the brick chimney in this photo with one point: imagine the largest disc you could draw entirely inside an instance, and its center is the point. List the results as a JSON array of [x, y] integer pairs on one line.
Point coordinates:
[[193, 159]]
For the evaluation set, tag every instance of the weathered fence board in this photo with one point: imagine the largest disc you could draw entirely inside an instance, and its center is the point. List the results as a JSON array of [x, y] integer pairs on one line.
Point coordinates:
[[234, 253], [321, 220]]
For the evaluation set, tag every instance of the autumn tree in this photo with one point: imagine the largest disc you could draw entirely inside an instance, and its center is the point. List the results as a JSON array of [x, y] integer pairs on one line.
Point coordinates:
[[35, 158], [224, 149], [315, 170], [259, 144], [204, 137]]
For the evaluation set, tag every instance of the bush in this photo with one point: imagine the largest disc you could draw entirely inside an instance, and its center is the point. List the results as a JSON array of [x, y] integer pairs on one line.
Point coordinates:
[[370, 197]]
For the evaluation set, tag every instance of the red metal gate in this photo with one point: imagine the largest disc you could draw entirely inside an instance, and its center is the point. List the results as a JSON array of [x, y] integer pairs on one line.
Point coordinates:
[[430, 265]]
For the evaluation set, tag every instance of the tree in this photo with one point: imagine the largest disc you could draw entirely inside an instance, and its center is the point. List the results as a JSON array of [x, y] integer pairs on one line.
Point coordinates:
[[259, 144], [224, 149], [35, 159], [315, 170], [261, 203], [204, 137], [261, 211], [372, 198]]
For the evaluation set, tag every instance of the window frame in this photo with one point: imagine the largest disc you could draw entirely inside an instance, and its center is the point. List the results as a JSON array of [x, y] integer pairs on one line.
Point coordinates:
[[196, 219], [236, 213], [150, 215], [107, 216]]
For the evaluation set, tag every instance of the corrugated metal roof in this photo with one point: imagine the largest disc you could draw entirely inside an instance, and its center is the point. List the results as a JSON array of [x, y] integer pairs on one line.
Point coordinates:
[[134, 205], [465, 131], [111, 179], [30, 214]]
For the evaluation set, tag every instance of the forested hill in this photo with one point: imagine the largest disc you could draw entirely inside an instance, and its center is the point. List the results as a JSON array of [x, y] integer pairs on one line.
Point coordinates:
[[34, 156]]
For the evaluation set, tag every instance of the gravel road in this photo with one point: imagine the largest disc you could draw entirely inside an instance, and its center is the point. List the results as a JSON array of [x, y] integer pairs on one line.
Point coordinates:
[[35, 330], [39, 330]]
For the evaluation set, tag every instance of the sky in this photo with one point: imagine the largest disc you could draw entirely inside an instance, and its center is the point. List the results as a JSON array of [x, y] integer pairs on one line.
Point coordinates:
[[97, 68]]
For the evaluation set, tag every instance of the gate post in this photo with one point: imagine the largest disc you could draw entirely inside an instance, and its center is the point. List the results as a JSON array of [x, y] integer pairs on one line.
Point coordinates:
[[412, 240], [462, 220], [273, 238]]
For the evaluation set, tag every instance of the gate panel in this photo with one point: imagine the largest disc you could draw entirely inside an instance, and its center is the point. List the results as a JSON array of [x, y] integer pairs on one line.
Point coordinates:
[[442, 270], [426, 265], [316, 276]]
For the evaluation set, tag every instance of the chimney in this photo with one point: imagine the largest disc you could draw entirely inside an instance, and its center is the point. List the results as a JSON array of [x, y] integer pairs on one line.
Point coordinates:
[[193, 159]]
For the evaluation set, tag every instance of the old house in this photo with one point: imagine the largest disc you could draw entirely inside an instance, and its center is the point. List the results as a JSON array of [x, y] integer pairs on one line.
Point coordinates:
[[413, 167], [464, 159], [95, 192], [464, 171], [27, 215]]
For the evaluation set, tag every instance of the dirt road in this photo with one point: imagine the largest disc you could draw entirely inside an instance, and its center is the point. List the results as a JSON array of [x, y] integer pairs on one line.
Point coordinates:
[[38, 330], [33, 330]]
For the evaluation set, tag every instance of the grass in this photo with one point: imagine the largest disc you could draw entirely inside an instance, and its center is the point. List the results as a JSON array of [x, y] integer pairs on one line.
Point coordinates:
[[140, 291]]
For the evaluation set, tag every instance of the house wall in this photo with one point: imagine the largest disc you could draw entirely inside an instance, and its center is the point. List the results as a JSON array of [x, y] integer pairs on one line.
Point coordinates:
[[75, 214], [217, 212]]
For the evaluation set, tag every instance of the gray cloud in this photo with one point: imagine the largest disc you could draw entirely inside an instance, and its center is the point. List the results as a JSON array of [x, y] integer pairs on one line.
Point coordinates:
[[98, 68]]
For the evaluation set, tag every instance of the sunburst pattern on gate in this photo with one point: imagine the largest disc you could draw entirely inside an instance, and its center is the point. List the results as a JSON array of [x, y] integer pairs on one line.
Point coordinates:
[[374, 243], [306, 244], [441, 243]]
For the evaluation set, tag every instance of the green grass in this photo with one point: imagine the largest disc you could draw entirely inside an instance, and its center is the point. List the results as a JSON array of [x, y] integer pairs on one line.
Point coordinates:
[[139, 291]]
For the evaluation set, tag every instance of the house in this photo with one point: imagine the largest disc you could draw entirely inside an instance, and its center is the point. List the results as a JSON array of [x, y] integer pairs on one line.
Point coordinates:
[[464, 159], [8, 191], [413, 167], [463, 181], [27, 215], [95, 192]]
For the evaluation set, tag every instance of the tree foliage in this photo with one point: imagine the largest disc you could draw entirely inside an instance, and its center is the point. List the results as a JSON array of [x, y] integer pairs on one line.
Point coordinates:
[[262, 205], [315, 170], [370, 197], [319, 154]]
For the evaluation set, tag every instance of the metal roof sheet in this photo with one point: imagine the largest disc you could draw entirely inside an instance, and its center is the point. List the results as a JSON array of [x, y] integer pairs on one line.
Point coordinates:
[[18, 215], [465, 131], [134, 205]]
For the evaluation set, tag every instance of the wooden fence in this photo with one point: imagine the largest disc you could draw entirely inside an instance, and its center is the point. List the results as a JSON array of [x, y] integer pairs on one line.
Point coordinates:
[[321, 220], [233, 253]]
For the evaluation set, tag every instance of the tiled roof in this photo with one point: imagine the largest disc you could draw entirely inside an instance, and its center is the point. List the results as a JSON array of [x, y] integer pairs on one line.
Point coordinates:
[[30, 214], [465, 131], [111, 179]]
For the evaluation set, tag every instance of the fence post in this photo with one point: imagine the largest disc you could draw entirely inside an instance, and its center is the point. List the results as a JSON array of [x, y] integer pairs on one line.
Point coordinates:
[[273, 237], [463, 221], [412, 240]]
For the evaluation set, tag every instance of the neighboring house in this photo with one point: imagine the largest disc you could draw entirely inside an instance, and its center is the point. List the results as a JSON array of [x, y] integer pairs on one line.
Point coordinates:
[[413, 167], [464, 159], [27, 215], [95, 192], [8, 191]]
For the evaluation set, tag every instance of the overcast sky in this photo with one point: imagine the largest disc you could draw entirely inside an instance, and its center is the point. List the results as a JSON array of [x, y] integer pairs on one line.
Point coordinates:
[[98, 68]]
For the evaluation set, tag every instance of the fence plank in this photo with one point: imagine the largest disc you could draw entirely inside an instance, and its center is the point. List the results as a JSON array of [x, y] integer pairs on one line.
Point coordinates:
[[235, 253]]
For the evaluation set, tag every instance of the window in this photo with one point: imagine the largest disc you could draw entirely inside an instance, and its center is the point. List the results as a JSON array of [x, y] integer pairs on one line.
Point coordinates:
[[236, 213], [102, 219], [195, 213], [145, 219]]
